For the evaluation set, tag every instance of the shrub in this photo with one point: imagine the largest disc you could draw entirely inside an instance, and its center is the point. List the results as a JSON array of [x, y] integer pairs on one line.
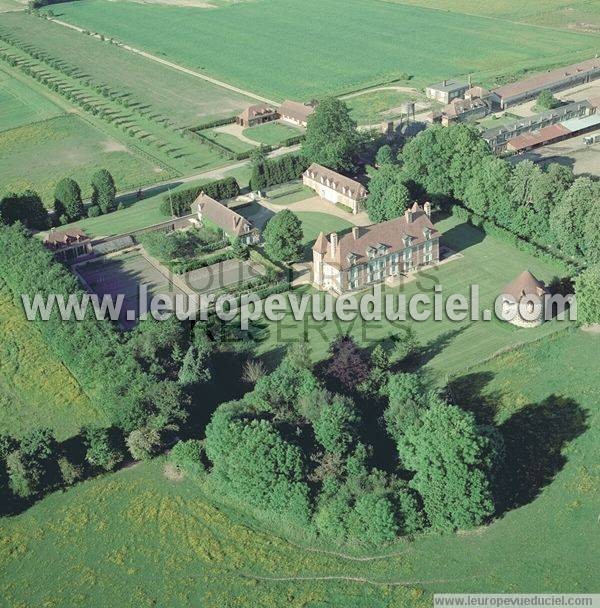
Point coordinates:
[[94, 211], [102, 451], [69, 472], [187, 456], [144, 443]]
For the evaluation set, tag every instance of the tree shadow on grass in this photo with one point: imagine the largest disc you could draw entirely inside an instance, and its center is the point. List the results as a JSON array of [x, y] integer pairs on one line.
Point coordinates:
[[468, 392], [462, 237], [535, 438], [434, 347]]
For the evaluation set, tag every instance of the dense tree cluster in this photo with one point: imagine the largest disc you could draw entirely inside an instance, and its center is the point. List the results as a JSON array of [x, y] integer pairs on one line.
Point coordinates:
[[587, 290], [549, 207], [26, 208], [179, 203], [140, 382], [294, 448]]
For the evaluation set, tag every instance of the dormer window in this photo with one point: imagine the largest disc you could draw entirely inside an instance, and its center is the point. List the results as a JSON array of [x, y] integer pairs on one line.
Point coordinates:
[[427, 233], [407, 240]]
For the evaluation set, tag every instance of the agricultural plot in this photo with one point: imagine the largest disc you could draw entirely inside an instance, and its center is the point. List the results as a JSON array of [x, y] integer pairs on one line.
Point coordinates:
[[38, 155], [186, 100], [272, 133], [446, 346], [375, 42], [20, 105], [580, 15], [213, 556], [35, 388]]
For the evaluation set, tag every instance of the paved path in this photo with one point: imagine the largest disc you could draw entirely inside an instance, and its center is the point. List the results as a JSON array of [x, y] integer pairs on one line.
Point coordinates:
[[382, 88], [318, 205], [175, 66], [237, 131]]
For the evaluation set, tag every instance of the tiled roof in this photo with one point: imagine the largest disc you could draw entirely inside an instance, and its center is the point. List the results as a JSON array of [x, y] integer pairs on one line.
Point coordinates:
[[297, 110], [340, 183], [546, 79], [447, 86], [66, 237], [538, 137], [524, 285], [353, 248], [226, 219], [257, 110]]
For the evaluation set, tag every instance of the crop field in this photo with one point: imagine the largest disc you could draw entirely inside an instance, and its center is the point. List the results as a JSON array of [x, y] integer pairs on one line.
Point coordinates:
[[35, 389], [38, 155], [20, 105], [581, 15], [446, 346], [165, 541], [378, 106], [292, 53], [185, 99], [272, 133]]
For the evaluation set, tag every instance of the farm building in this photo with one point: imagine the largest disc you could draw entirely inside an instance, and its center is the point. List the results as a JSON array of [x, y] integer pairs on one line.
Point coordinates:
[[553, 80], [69, 244], [498, 137], [376, 253], [464, 110], [257, 115], [295, 112], [447, 90], [524, 301], [210, 211], [335, 188]]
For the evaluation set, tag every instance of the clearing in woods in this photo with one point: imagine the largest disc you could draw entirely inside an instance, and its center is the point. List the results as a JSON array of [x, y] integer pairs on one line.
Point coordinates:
[[247, 44]]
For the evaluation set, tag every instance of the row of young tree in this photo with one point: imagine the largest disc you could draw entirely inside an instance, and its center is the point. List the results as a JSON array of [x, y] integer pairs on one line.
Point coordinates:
[[28, 209], [297, 447], [546, 206], [140, 383]]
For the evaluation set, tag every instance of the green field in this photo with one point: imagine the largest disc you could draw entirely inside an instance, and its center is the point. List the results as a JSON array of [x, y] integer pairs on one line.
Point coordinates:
[[378, 106], [313, 223], [447, 346], [35, 389], [185, 99], [374, 42], [166, 544], [272, 133], [20, 105], [289, 193], [38, 155], [580, 15]]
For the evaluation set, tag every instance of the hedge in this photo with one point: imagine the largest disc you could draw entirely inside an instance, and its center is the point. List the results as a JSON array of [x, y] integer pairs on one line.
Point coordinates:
[[196, 263], [492, 229], [180, 202]]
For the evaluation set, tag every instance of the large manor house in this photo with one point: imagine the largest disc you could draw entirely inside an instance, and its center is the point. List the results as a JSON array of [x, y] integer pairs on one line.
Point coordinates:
[[372, 254]]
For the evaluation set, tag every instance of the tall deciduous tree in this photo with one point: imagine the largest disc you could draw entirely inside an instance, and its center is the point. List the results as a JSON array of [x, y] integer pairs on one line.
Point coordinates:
[[283, 237], [453, 464], [331, 136], [104, 191], [347, 363], [67, 200], [388, 196]]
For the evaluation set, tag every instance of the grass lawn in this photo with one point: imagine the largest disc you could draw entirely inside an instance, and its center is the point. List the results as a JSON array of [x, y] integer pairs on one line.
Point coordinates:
[[446, 346], [289, 193], [38, 155], [315, 222], [185, 99], [272, 133], [229, 141], [496, 120], [374, 42], [378, 106], [19, 105], [166, 543], [35, 389]]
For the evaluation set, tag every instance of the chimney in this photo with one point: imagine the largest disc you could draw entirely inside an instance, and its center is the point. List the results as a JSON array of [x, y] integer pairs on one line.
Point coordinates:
[[333, 239], [408, 214], [427, 208], [445, 83], [355, 232]]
